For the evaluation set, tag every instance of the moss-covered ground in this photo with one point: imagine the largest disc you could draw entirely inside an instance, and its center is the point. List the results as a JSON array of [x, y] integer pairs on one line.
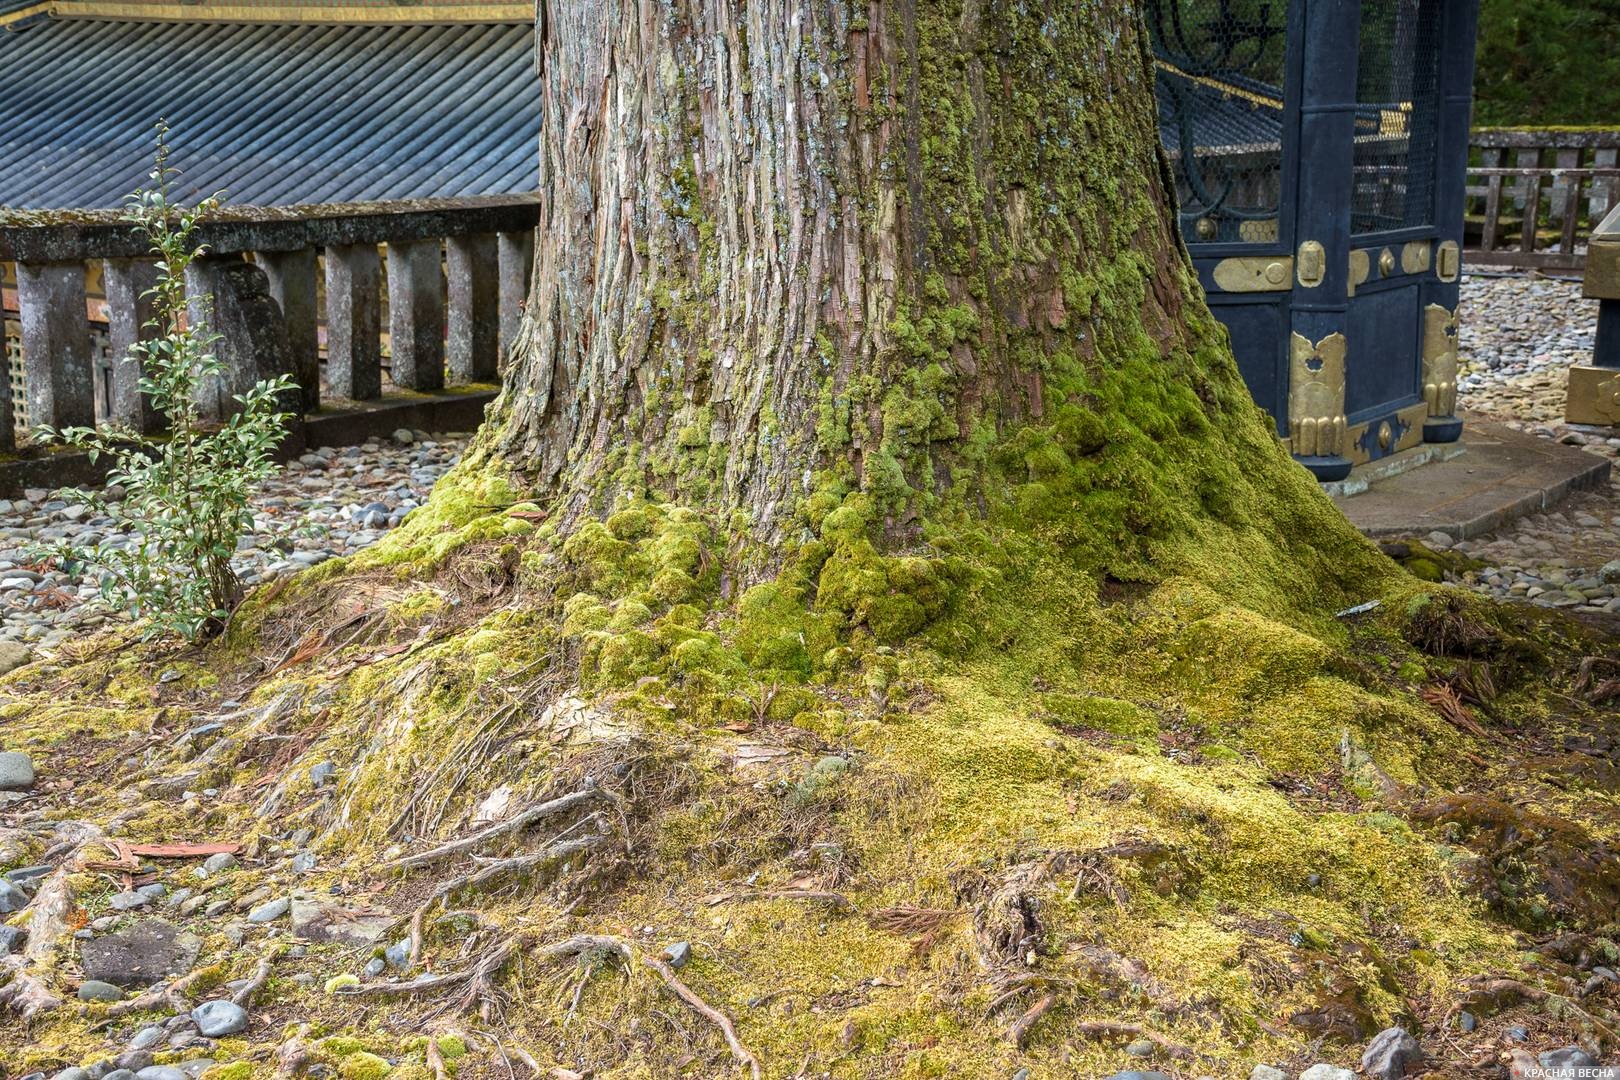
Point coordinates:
[[1100, 748]]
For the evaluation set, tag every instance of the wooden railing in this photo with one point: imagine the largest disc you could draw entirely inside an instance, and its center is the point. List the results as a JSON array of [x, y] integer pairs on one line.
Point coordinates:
[[352, 300], [1535, 194]]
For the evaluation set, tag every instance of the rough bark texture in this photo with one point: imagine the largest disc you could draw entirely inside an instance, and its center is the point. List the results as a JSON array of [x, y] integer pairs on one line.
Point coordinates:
[[762, 220]]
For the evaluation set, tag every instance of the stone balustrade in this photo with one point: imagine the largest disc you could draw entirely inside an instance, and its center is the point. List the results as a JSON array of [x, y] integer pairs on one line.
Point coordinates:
[[445, 297]]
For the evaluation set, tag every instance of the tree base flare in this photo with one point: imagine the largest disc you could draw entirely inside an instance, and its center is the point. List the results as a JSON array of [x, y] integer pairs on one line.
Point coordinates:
[[1058, 816]]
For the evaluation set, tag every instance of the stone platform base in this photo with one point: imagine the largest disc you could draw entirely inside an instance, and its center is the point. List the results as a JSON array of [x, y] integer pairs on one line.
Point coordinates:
[[460, 409], [1492, 476]]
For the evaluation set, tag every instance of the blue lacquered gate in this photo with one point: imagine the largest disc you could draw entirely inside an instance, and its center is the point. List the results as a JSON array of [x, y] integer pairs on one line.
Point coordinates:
[[1319, 149]]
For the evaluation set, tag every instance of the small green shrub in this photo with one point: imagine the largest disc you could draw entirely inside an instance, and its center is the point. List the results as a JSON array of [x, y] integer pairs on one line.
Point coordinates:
[[186, 491]]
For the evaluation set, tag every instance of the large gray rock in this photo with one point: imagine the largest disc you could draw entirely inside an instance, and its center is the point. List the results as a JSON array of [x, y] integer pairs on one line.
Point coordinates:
[[146, 953], [16, 771], [10, 938], [1392, 1054], [161, 1072], [12, 897], [218, 1018], [1267, 1072]]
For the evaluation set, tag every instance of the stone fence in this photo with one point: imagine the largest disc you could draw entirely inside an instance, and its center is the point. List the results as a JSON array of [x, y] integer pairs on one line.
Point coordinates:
[[365, 305]]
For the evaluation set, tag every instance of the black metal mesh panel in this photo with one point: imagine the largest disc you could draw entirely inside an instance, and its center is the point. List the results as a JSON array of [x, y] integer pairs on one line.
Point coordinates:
[[1396, 107], [1220, 66]]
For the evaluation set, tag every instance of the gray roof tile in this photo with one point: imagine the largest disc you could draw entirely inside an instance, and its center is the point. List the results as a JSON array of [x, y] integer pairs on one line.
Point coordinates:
[[272, 115]]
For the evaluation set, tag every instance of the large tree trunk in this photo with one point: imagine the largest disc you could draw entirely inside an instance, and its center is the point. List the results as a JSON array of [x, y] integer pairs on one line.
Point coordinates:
[[799, 235]]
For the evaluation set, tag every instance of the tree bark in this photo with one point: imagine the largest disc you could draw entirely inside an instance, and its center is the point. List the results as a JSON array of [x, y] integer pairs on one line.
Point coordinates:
[[804, 237]]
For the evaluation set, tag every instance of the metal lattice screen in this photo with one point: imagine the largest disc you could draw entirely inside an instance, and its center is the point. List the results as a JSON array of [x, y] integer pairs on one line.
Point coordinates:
[[1220, 67], [1397, 99]]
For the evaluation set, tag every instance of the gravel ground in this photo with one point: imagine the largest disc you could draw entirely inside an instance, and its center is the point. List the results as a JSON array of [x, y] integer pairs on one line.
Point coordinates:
[[1518, 334], [330, 502]]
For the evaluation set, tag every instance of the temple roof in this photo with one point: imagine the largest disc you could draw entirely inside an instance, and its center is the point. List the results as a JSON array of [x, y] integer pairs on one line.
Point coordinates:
[[270, 114]]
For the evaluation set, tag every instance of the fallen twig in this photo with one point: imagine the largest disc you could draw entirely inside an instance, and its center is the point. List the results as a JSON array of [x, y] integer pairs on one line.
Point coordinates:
[[719, 1019], [561, 804], [836, 899]]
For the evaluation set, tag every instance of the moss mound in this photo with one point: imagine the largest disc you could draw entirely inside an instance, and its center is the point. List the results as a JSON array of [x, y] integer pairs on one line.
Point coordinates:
[[999, 800]]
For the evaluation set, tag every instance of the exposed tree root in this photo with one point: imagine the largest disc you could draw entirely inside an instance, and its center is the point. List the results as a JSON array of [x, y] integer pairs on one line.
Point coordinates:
[[1133, 1031], [161, 996], [561, 847], [1488, 989], [714, 1016], [560, 805], [261, 974], [476, 980]]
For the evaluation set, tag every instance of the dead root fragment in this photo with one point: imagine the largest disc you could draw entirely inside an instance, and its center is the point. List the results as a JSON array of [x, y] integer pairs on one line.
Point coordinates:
[[928, 924], [1133, 1031], [1019, 1032], [256, 981]]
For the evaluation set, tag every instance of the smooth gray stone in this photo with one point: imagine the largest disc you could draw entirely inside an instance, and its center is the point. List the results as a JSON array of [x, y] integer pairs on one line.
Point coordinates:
[[96, 990], [1567, 1057], [220, 1017], [270, 910], [16, 771]]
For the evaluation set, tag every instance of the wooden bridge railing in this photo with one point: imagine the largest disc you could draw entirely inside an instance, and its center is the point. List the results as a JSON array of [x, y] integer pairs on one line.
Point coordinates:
[[1535, 194], [442, 281]]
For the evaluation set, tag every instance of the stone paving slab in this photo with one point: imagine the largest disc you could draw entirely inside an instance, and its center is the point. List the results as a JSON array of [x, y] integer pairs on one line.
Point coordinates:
[[1504, 474]]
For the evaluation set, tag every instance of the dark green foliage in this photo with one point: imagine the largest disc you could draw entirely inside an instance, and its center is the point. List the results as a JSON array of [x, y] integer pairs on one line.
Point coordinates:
[[1548, 62]]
